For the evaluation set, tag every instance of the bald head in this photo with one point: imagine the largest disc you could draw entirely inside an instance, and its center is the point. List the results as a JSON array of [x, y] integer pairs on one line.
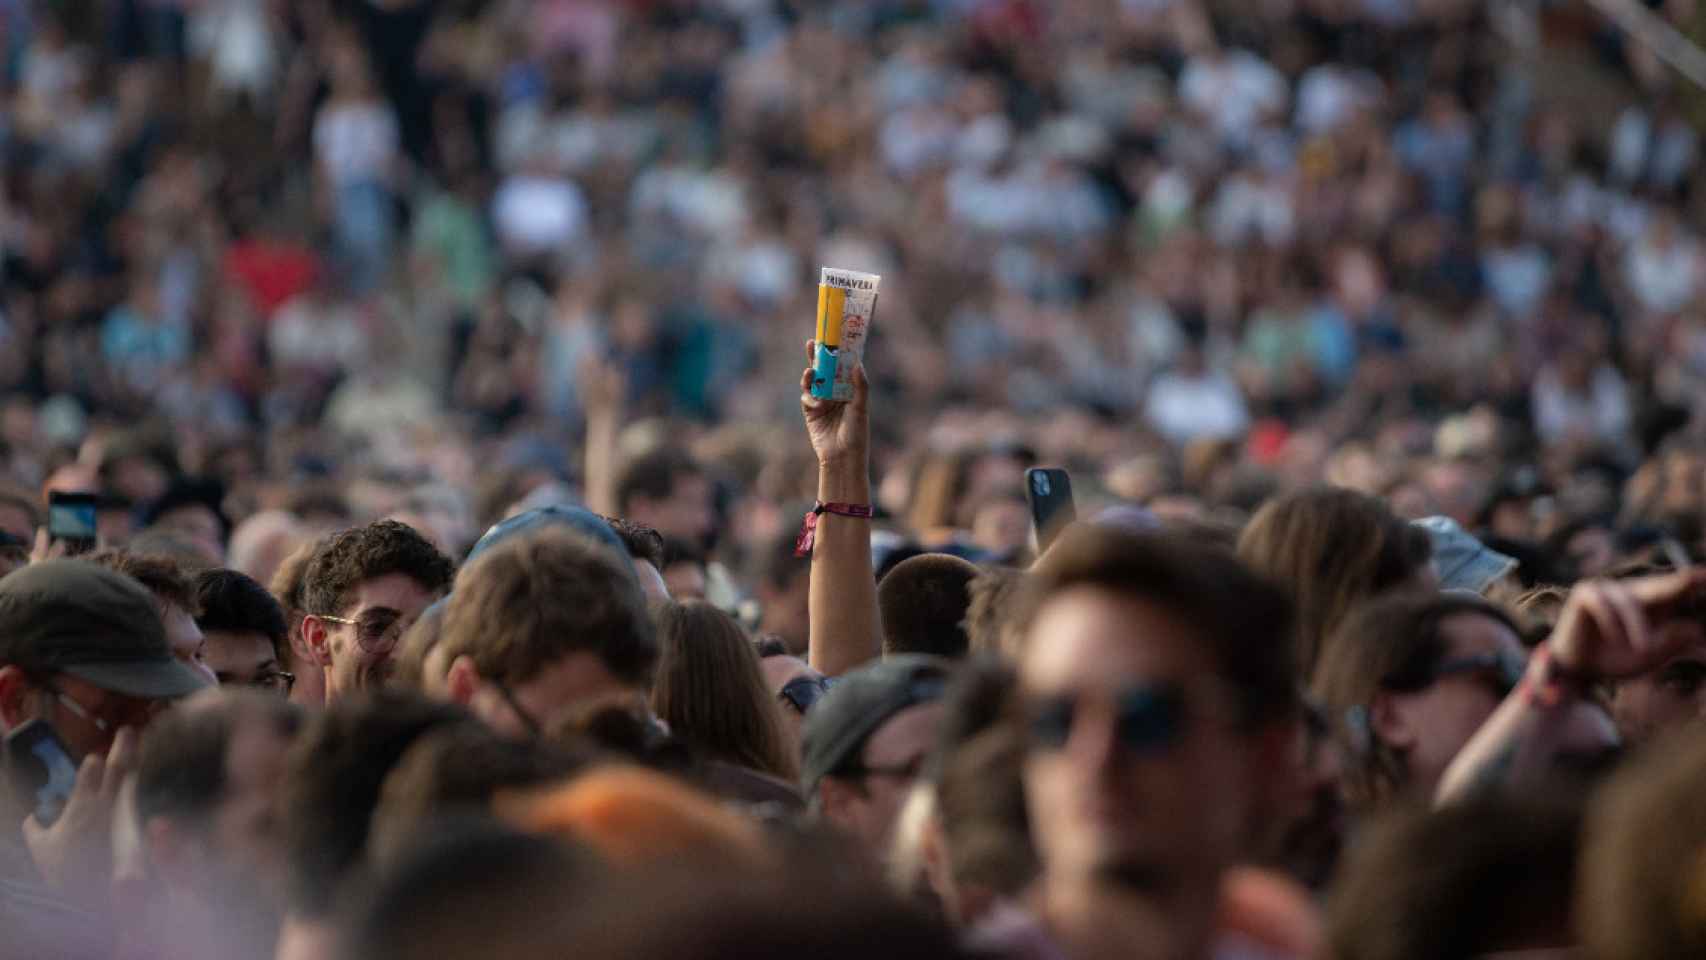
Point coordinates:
[[260, 543]]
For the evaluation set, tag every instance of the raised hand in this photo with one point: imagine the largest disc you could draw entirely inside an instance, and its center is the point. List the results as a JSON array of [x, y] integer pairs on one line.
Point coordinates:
[[75, 855], [840, 432], [1610, 629]]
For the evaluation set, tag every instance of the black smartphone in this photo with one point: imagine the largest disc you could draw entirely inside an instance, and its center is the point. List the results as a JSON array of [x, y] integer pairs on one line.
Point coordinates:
[[1049, 492], [72, 517], [40, 770]]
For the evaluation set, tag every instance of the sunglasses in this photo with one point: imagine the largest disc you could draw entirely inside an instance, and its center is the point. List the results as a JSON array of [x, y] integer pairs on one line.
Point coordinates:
[[377, 631], [1147, 719], [802, 693], [1504, 669]]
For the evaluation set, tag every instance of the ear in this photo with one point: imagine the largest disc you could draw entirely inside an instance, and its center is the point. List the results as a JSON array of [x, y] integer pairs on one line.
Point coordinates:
[[463, 680], [16, 701], [318, 639], [1390, 722]]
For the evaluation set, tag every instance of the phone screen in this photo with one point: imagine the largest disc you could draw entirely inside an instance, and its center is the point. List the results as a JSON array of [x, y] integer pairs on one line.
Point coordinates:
[[71, 516], [1049, 492], [40, 770]]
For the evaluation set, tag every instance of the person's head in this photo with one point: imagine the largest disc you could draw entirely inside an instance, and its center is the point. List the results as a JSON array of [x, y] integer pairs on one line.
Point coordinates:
[[1474, 879], [460, 771], [189, 554], [543, 625], [361, 591], [1406, 680], [783, 588], [866, 742], [244, 630], [989, 614], [1673, 696], [923, 603], [174, 597], [683, 569], [260, 544], [207, 777], [1644, 858], [1330, 549], [1160, 715], [668, 492], [20, 514], [333, 775], [645, 547], [792, 683], [193, 509], [711, 692], [309, 690], [468, 888], [83, 650], [420, 657]]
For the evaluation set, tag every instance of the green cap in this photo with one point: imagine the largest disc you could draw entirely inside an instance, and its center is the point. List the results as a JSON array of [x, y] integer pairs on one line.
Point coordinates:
[[83, 620]]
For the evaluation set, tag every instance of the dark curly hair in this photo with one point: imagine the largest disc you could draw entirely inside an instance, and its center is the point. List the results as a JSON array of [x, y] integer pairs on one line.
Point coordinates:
[[161, 575], [236, 602], [641, 542], [365, 553]]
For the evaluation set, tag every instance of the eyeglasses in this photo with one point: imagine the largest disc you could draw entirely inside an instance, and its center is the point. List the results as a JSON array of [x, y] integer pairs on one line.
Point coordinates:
[[276, 681], [904, 772], [803, 692], [378, 633], [1504, 668], [1147, 719]]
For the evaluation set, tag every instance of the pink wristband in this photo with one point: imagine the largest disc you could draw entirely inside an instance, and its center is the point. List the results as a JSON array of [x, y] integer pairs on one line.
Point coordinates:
[[808, 527]]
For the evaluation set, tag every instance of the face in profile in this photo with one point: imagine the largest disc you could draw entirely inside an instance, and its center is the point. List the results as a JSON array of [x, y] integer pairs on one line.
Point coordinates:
[[1135, 776]]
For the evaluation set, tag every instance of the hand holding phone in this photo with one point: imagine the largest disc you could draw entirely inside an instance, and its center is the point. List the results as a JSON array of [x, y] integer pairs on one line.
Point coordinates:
[[40, 770], [73, 519], [1049, 492], [74, 854]]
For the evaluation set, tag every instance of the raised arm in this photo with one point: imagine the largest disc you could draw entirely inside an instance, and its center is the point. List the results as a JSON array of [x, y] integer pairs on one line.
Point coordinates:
[[845, 629], [1608, 630]]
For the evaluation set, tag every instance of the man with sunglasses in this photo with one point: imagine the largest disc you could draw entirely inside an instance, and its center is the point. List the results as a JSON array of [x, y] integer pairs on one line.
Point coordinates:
[[363, 588], [1157, 690], [84, 665], [866, 741]]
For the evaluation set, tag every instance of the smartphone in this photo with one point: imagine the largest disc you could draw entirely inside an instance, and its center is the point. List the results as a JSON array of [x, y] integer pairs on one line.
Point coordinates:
[[40, 770], [71, 517], [1049, 492]]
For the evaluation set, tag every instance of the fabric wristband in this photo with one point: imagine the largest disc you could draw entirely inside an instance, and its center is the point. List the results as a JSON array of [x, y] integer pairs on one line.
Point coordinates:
[[1547, 684], [808, 527]]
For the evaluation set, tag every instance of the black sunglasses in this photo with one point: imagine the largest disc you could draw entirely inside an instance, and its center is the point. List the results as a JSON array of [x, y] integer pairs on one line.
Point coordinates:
[[802, 693], [1505, 669], [1146, 719]]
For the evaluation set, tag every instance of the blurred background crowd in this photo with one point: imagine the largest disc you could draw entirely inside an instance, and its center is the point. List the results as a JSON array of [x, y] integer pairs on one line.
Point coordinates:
[[359, 258]]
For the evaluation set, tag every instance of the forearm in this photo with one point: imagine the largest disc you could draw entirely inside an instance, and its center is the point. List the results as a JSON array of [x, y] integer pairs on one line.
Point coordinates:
[[844, 625], [599, 465], [1517, 740]]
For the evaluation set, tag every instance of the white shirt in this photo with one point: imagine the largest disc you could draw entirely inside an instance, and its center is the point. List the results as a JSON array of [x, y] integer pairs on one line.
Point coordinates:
[[538, 214], [1184, 408], [356, 141]]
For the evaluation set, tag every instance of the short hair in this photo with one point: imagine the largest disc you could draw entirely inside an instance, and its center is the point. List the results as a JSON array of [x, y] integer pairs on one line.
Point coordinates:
[[334, 773], [770, 645], [1644, 857], [989, 615], [711, 691], [162, 576], [679, 550], [1330, 549], [641, 542], [653, 476], [1249, 642], [291, 575], [166, 542], [537, 598], [1392, 641], [233, 601], [923, 603], [459, 770], [181, 768], [357, 555], [1501, 868]]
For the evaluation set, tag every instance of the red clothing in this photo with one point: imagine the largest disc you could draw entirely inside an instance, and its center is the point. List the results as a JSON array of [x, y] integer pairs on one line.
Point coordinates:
[[271, 273]]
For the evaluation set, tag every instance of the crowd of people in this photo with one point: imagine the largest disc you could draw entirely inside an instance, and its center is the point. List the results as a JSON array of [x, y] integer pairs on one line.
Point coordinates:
[[430, 367]]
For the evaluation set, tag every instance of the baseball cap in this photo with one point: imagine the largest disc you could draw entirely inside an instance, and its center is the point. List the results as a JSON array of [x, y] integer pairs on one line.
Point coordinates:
[[579, 519], [861, 702], [1459, 560], [83, 620]]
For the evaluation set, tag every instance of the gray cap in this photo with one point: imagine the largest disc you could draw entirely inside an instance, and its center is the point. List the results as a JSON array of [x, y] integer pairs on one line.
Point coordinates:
[[83, 620], [1460, 561], [860, 703]]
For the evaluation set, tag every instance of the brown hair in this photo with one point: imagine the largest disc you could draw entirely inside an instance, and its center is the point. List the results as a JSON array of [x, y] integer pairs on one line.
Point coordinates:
[[286, 588], [539, 597], [1391, 642], [1249, 641], [711, 692], [383, 547], [162, 575], [1642, 892], [923, 603], [1331, 549], [417, 644], [989, 615]]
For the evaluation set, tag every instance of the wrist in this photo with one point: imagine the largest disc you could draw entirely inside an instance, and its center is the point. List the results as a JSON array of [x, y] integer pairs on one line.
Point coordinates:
[[843, 483], [1550, 682]]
